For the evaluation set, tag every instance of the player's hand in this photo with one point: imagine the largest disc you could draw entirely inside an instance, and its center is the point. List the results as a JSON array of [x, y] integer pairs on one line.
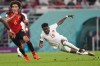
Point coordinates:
[[70, 16], [11, 34]]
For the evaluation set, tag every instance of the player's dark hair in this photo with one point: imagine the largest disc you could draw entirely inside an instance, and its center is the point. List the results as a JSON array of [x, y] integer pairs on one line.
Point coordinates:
[[44, 25], [16, 2]]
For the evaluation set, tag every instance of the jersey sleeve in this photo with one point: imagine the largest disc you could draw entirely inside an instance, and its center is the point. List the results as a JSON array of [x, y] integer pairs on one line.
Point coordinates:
[[23, 26], [26, 18], [41, 37], [6, 15], [54, 26]]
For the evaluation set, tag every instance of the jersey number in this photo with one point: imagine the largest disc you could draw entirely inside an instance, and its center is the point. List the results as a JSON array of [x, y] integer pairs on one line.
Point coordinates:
[[52, 36], [15, 23]]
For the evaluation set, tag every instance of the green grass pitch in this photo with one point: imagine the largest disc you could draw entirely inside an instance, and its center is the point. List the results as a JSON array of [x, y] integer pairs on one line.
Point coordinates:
[[51, 59]]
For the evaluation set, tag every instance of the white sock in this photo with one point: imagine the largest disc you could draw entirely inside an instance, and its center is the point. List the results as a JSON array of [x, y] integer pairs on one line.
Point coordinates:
[[70, 45], [77, 52], [19, 53], [68, 49], [84, 53]]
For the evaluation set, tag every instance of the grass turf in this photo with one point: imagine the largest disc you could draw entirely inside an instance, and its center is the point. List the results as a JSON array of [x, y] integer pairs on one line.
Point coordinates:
[[51, 59]]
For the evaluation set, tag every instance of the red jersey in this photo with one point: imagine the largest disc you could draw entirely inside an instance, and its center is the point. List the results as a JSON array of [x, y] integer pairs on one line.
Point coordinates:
[[15, 22]]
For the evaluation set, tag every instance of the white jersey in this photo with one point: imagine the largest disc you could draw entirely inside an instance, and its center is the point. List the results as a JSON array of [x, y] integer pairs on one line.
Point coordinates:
[[22, 24], [53, 38]]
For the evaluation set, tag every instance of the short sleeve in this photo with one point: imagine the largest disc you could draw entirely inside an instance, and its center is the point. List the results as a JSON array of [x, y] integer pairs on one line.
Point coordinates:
[[54, 26], [26, 18], [6, 15]]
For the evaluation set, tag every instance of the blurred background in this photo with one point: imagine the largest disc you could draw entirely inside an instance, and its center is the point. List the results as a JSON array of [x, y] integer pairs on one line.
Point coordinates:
[[83, 30]]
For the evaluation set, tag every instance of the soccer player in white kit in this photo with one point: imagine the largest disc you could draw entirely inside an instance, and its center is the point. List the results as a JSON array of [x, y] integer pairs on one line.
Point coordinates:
[[56, 40]]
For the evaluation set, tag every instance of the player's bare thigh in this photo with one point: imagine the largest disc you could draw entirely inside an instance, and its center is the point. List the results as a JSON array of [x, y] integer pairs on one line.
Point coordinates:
[[26, 38]]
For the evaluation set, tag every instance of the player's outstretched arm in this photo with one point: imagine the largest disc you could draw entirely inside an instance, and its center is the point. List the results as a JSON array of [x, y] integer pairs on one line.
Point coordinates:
[[5, 24], [10, 33], [63, 19], [41, 44]]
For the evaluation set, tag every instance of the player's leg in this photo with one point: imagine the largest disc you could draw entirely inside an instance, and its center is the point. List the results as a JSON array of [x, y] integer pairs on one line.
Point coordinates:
[[66, 43], [18, 43], [74, 48], [19, 53], [27, 40], [68, 49], [21, 48]]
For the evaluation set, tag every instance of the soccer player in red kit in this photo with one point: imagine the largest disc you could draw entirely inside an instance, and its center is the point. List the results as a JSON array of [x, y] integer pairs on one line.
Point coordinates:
[[14, 18]]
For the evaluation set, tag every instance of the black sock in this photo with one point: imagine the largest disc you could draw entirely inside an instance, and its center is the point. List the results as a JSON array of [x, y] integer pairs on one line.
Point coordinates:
[[30, 46], [22, 51]]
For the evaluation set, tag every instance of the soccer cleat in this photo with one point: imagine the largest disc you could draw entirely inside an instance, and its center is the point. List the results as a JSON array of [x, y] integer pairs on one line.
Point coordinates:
[[83, 53], [26, 58], [87, 53], [82, 50], [35, 56], [91, 54]]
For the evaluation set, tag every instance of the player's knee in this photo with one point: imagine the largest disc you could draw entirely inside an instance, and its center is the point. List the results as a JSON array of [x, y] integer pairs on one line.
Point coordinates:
[[62, 41], [20, 47], [26, 39]]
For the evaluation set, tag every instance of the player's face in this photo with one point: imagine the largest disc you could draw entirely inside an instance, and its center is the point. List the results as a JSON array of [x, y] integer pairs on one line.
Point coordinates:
[[15, 8], [46, 30]]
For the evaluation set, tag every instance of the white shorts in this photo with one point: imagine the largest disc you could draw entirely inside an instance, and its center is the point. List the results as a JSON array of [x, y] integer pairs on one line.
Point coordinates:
[[64, 48], [59, 45]]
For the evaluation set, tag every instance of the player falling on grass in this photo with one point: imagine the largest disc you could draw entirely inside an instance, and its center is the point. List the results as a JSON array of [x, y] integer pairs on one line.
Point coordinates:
[[56, 40], [10, 33], [14, 18]]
